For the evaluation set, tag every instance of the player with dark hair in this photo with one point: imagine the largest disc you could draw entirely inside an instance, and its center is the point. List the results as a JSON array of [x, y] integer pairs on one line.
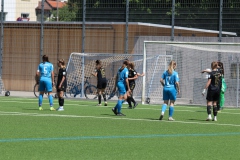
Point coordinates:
[[101, 82], [46, 74], [213, 86], [122, 83], [61, 83], [132, 76], [170, 83]]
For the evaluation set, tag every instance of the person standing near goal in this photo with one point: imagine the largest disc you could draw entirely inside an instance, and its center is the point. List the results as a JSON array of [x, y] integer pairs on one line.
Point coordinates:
[[61, 83], [213, 94], [132, 76], [101, 82], [46, 74], [170, 83], [122, 83]]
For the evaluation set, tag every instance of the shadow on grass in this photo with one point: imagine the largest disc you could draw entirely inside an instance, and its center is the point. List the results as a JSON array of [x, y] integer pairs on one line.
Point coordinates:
[[193, 119]]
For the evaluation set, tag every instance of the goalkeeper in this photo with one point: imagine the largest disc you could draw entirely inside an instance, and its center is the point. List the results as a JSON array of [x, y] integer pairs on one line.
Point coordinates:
[[101, 82]]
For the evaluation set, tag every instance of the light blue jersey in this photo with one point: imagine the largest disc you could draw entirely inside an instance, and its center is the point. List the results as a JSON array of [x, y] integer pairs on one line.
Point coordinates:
[[169, 89], [45, 69], [122, 75], [170, 80], [121, 82]]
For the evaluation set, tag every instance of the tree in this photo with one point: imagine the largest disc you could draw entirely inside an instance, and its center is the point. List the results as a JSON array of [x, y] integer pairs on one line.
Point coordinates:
[[66, 13]]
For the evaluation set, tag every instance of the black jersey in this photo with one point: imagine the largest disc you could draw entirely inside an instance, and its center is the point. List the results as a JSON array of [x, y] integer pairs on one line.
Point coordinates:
[[131, 73], [101, 75], [62, 73], [216, 82]]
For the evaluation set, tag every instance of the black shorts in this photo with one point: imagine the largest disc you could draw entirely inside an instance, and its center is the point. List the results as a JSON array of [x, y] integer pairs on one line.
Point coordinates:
[[63, 88], [213, 95], [102, 85], [132, 86]]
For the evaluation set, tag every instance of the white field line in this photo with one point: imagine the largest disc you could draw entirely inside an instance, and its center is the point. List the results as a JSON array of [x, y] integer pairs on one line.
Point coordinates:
[[116, 118]]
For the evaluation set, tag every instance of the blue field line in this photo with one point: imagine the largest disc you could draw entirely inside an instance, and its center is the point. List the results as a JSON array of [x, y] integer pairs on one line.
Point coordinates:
[[120, 137]]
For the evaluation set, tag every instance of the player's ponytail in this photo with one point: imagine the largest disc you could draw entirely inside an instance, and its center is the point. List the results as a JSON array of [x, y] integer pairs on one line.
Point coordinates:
[[171, 67]]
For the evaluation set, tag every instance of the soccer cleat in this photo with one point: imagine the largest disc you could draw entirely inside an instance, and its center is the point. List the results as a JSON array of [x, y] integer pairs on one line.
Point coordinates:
[[208, 119], [135, 105], [129, 107], [114, 110], [171, 119], [60, 109], [40, 108], [105, 104], [121, 114], [52, 109], [214, 119], [99, 104], [161, 117]]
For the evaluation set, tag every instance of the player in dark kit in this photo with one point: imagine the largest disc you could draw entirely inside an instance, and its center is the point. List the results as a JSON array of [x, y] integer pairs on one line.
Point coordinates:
[[101, 82], [214, 87], [132, 76], [61, 83]]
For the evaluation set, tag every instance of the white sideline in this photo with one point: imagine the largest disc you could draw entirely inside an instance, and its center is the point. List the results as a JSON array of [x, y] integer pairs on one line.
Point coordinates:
[[116, 118]]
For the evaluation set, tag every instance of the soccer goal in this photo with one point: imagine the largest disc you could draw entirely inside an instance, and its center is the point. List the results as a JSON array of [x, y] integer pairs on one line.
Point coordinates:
[[192, 58], [81, 65]]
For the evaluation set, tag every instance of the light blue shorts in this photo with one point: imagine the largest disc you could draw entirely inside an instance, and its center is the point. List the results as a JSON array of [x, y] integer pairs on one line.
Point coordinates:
[[169, 93], [121, 89], [45, 85]]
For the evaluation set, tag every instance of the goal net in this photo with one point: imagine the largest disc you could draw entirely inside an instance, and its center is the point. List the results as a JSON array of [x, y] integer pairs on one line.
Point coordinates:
[[2, 89], [80, 66], [191, 59]]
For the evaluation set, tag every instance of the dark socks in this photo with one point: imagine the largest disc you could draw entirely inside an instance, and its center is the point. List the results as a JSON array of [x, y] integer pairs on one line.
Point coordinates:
[[99, 99], [215, 109], [209, 110]]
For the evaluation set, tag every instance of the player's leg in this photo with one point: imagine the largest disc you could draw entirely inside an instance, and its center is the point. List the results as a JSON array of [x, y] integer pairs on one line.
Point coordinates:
[[122, 96], [60, 100], [173, 97], [166, 98], [209, 105], [41, 90], [99, 92], [50, 97], [104, 85], [215, 101], [131, 97], [129, 100]]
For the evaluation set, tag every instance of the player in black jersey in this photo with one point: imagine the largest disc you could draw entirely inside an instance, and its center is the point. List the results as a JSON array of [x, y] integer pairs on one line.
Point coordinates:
[[213, 86], [101, 82], [61, 83], [132, 76]]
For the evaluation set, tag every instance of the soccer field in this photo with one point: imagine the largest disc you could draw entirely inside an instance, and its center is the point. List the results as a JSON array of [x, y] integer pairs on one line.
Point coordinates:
[[86, 131]]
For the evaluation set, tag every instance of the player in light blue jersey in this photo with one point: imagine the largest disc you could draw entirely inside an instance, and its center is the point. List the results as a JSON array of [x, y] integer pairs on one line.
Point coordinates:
[[170, 83], [122, 84], [46, 74]]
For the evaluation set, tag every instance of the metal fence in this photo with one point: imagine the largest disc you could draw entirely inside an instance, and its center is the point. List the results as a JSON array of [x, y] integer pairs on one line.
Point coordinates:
[[32, 28]]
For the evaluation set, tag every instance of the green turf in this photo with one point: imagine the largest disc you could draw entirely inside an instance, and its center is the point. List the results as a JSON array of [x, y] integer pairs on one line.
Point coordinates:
[[85, 131]]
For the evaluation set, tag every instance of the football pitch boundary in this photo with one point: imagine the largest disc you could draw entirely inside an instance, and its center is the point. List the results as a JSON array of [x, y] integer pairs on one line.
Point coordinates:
[[116, 118]]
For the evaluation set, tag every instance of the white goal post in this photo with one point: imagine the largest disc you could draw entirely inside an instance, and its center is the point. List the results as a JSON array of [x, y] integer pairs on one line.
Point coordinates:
[[192, 58]]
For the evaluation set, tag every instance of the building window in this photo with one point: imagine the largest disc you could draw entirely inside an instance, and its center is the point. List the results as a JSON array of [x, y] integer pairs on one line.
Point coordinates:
[[25, 15]]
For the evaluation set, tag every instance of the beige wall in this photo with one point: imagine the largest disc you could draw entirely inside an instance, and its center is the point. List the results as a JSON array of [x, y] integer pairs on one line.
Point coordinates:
[[26, 6], [21, 52]]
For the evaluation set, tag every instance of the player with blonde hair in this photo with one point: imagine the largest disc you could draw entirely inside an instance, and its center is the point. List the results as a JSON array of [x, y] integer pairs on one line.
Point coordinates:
[[170, 83]]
